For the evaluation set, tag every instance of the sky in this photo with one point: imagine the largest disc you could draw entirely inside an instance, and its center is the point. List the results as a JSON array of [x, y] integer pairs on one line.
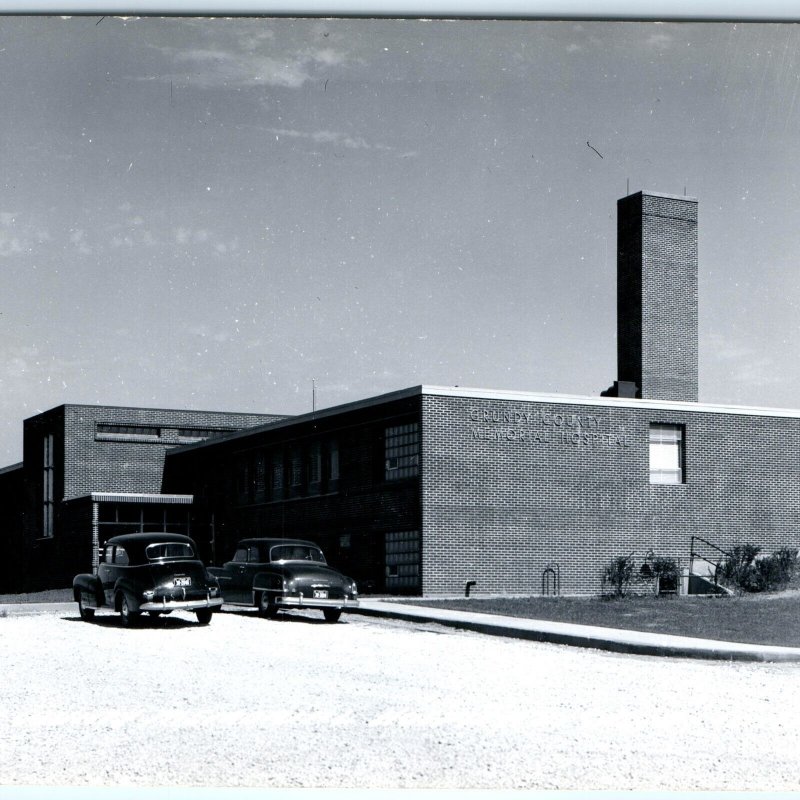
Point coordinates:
[[218, 213]]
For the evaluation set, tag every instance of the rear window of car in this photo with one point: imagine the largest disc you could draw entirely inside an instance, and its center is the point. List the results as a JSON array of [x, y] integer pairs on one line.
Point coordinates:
[[155, 552], [294, 552]]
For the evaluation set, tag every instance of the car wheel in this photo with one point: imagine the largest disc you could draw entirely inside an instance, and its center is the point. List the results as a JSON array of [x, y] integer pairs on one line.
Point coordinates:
[[203, 615], [129, 617], [266, 606], [332, 614], [87, 614]]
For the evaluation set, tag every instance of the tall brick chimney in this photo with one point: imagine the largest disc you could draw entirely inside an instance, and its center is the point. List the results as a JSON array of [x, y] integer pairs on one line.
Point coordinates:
[[656, 297]]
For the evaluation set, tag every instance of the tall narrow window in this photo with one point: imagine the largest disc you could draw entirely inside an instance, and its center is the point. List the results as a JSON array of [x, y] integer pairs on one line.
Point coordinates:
[[333, 463], [276, 472], [666, 453], [402, 451], [48, 493]]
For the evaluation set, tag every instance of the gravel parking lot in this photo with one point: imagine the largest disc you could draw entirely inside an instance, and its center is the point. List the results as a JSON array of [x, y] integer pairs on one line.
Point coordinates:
[[377, 703]]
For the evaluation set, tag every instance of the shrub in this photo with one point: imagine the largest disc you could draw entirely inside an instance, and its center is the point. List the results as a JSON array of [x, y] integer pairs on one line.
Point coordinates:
[[617, 575], [750, 571], [666, 570]]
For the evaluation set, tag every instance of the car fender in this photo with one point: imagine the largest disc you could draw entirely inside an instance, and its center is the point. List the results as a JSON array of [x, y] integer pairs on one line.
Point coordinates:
[[130, 588], [91, 585], [271, 581]]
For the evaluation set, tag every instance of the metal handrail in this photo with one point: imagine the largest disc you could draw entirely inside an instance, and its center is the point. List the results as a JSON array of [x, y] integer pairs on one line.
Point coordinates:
[[692, 552], [716, 564]]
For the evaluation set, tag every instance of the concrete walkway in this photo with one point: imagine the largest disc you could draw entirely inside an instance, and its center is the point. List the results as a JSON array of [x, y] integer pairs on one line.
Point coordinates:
[[613, 639]]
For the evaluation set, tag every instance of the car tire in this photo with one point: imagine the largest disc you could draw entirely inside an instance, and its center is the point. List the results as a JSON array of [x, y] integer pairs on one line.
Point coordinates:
[[266, 606], [203, 615], [87, 614], [129, 618], [332, 614]]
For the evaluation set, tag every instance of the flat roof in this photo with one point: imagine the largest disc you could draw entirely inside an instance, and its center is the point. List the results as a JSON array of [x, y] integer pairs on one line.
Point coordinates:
[[502, 395]]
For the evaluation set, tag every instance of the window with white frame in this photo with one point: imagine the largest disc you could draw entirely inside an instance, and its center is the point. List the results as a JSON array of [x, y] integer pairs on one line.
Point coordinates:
[[666, 453]]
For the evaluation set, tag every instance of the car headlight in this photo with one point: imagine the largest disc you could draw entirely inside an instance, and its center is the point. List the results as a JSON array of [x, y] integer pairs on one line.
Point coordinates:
[[149, 594]]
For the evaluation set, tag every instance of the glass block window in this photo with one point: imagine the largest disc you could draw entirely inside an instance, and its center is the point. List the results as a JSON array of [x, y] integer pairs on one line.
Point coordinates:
[[402, 560], [666, 453], [402, 451]]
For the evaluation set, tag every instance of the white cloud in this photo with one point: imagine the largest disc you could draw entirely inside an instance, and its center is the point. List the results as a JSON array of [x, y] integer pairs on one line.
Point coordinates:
[[335, 138], [10, 245], [242, 66]]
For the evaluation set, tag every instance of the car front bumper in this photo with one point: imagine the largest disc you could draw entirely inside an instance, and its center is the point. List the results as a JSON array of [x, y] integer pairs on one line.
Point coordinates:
[[298, 601], [180, 605]]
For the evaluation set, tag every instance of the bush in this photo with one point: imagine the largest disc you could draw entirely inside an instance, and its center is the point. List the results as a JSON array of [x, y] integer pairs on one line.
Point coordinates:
[[617, 575], [747, 569], [666, 570]]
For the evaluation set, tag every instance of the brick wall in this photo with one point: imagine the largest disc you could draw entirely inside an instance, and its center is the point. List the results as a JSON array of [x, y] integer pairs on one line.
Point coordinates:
[[510, 486], [86, 461], [657, 339], [349, 522], [95, 463]]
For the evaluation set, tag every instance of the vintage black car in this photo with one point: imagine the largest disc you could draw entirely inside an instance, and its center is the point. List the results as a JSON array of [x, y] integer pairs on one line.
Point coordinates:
[[274, 574], [157, 573]]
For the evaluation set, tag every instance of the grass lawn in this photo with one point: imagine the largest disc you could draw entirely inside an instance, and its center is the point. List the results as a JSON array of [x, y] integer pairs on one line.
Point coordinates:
[[49, 596], [754, 619]]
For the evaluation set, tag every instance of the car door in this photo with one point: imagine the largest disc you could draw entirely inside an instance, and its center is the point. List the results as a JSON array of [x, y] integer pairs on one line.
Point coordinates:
[[234, 582], [107, 571], [249, 569]]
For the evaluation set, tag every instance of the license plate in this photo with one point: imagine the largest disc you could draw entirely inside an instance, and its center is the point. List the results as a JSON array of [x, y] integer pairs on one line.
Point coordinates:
[[183, 581], [320, 594]]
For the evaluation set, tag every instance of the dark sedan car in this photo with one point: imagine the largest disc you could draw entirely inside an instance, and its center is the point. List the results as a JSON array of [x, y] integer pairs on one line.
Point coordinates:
[[155, 573], [274, 574]]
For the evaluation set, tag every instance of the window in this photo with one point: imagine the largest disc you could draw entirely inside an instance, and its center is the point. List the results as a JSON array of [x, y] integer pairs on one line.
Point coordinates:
[[240, 556], [402, 451], [48, 495], [277, 475], [198, 434], [261, 476], [333, 460], [402, 560], [154, 552], [314, 467], [296, 471], [127, 433], [666, 453]]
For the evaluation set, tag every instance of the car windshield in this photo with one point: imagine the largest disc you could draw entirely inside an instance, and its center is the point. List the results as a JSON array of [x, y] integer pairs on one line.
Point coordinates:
[[169, 550], [296, 552]]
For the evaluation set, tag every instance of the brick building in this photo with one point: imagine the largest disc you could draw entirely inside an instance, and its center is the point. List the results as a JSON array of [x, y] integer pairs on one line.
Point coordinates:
[[429, 489], [89, 472], [435, 487]]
